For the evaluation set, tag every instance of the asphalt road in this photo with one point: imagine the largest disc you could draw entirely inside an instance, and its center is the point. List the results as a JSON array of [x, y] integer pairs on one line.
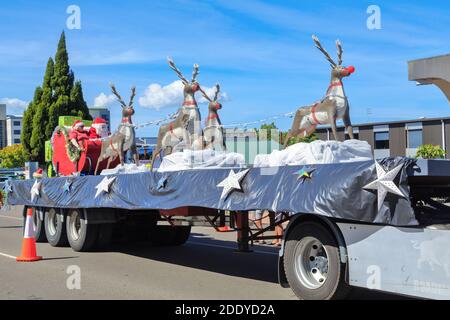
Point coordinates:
[[206, 267]]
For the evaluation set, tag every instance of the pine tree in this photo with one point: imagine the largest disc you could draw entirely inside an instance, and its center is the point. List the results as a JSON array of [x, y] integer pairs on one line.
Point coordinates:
[[60, 95], [40, 134], [80, 107], [27, 122], [62, 83]]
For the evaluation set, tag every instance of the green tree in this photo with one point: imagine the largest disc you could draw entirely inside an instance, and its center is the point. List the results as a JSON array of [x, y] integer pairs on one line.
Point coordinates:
[[293, 140], [76, 97], [62, 83], [39, 133], [429, 151], [268, 131], [27, 122], [60, 95], [67, 95], [13, 156]]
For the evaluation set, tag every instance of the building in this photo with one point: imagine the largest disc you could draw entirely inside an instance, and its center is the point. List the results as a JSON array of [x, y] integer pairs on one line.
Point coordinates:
[[397, 138], [13, 129], [247, 142], [434, 70], [101, 112], [2, 126]]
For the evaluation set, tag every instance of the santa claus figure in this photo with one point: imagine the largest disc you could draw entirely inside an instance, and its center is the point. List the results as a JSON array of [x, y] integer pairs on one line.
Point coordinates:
[[99, 129], [77, 135]]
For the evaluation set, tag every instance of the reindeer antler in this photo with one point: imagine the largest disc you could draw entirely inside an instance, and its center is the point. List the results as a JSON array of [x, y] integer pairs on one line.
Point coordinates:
[[177, 71], [119, 98], [133, 94], [204, 94], [216, 94], [325, 53], [339, 52], [195, 72]]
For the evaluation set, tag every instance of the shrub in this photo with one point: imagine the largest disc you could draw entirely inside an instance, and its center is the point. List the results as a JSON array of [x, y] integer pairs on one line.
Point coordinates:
[[429, 151]]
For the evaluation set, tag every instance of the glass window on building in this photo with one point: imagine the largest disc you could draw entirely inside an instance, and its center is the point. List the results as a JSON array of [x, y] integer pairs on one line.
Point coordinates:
[[16, 123], [16, 141], [16, 131], [414, 138], [381, 140], [414, 135]]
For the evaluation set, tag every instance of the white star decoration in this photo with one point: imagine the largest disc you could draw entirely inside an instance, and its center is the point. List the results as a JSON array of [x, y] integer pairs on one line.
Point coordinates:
[[104, 185], [7, 187], [384, 183], [232, 182], [35, 190]]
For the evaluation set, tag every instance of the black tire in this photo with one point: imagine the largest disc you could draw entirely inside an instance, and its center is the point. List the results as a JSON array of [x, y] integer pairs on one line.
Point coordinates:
[[39, 234], [55, 227], [169, 236], [182, 235], [81, 235], [104, 236], [306, 276]]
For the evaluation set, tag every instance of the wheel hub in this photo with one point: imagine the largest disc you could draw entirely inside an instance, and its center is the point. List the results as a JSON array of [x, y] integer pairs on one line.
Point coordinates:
[[311, 263], [75, 224], [52, 219]]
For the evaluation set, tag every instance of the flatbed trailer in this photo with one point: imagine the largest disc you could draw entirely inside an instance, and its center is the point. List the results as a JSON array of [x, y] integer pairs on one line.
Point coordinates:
[[337, 239]]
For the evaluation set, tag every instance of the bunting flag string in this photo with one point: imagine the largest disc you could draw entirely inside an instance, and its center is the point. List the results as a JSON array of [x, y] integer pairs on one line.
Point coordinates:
[[233, 125]]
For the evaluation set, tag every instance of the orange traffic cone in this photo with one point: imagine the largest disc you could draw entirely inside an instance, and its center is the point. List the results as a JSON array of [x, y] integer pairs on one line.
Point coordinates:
[[29, 243]]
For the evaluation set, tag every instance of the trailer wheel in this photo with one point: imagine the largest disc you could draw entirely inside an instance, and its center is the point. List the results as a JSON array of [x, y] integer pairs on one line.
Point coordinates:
[[182, 235], [81, 235], [38, 213], [55, 227], [169, 236], [312, 263]]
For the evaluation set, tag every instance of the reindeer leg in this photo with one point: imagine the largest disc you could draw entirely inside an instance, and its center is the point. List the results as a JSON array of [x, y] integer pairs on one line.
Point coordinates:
[[348, 123], [96, 166], [135, 154], [331, 116], [295, 129], [109, 162], [100, 159]]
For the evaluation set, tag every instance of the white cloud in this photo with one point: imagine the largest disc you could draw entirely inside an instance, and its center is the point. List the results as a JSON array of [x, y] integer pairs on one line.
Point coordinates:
[[103, 100], [223, 96], [15, 105], [158, 97]]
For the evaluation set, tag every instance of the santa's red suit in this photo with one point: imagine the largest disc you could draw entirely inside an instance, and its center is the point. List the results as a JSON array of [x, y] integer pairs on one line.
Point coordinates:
[[78, 133]]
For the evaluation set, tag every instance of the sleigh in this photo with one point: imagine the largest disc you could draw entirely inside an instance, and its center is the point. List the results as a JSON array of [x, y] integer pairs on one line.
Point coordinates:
[[67, 161]]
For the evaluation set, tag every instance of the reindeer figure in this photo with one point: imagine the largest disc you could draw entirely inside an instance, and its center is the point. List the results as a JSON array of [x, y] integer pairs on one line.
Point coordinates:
[[190, 106], [171, 135], [213, 135], [123, 139], [332, 107]]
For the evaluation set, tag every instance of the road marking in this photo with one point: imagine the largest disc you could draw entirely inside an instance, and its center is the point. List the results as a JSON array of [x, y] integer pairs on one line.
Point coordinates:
[[7, 255], [227, 247], [8, 217]]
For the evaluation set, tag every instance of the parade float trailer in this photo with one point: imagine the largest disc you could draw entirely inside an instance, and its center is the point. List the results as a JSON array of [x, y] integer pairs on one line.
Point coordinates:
[[381, 226]]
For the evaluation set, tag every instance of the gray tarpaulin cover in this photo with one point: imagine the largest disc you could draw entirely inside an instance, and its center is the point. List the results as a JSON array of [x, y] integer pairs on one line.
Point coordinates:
[[334, 190]]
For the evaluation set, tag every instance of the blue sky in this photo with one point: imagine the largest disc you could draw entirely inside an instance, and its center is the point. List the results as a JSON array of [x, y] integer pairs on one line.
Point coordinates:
[[261, 52]]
